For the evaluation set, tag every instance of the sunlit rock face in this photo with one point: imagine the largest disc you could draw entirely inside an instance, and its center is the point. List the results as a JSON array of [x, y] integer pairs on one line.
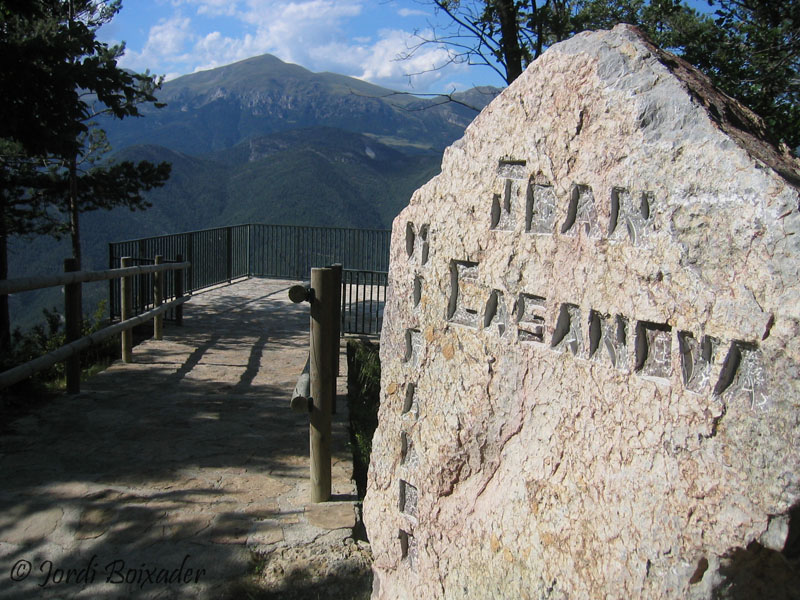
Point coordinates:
[[591, 351]]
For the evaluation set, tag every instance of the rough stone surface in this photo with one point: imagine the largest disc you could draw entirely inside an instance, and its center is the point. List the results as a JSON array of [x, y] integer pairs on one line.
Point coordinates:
[[590, 356]]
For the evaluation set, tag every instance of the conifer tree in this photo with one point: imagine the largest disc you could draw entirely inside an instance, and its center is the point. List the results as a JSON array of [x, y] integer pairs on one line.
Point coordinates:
[[56, 77]]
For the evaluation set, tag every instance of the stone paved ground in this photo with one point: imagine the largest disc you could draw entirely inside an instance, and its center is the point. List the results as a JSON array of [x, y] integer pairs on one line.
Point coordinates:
[[185, 466]]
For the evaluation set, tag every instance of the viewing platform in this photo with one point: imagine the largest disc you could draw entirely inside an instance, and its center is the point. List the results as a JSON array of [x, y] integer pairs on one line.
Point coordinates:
[[165, 477]]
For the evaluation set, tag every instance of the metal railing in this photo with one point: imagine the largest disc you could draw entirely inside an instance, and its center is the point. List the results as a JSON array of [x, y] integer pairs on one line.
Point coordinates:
[[224, 254], [363, 299], [217, 255], [290, 251]]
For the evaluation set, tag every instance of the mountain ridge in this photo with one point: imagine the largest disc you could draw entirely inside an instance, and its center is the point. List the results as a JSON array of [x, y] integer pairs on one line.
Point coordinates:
[[216, 109]]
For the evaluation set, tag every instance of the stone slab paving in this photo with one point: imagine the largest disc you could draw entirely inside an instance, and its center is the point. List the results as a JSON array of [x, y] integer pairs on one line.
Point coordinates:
[[162, 477]]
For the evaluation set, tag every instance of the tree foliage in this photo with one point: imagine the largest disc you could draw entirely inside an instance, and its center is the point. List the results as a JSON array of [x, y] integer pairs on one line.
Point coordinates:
[[752, 52], [56, 77], [749, 48]]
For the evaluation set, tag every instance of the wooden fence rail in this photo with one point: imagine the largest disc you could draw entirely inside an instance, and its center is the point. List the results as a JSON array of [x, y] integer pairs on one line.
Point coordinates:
[[26, 284], [72, 281]]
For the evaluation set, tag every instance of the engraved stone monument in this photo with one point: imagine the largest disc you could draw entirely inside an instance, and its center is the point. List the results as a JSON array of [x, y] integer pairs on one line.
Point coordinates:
[[591, 347]]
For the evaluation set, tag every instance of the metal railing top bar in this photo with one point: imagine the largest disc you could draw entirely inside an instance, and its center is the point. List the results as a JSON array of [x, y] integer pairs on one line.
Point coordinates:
[[223, 227], [25, 284]]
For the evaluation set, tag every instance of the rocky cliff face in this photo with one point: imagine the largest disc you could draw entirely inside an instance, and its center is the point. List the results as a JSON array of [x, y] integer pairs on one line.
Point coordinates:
[[590, 355]]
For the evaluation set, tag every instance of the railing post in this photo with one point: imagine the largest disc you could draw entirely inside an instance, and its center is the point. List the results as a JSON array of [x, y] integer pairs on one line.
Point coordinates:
[[229, 253], [190, 258], [179, 292], [126, 299], [111, 289], [249, 261], [141, 305], [73, 315], [324, 343], [158, 294]]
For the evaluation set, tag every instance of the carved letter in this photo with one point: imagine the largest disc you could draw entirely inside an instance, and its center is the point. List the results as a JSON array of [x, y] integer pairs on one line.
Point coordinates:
[[568, 335], [496, 316], [540, 209], [408, 499], [417, 243], [410, 403], [408, 547], [413, 346], [411, 236], [654, 349], [416, 295], [608, 337], [408, 455], [464, 293], [581, 212], [697, 358], [743, 375], [627, 217], [530, 318], [506, 205]]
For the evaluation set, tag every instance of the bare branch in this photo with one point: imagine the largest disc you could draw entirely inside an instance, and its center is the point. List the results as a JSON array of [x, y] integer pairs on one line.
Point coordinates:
[[444, 97]]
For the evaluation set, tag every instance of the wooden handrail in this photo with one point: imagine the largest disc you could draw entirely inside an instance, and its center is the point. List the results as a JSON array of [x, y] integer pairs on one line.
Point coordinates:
[[24, 371], [72, 280], [301, 395], [25, 284]]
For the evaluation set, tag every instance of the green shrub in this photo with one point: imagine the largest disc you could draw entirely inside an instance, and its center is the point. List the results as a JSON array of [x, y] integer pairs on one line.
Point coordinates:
[[49, 336], [363, 401]]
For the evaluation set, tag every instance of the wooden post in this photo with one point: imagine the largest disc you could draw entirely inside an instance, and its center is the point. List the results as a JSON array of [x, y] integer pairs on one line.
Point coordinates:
[[158, 294], [179, 292], [324, 312], [126, 299], [337, 269], [73, 316]]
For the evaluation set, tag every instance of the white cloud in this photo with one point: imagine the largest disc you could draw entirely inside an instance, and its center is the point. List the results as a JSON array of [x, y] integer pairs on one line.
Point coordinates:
[[412, 12], [216, 8], [209, 7], [390, 63], [311, 33], [292, 31], [166, 43]]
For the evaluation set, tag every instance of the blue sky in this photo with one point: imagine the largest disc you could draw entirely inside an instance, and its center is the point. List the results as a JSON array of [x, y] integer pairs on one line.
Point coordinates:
[[360, 38]]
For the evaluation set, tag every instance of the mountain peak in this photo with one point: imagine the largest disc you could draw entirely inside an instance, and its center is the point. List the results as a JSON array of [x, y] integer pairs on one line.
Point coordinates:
[[219, 108], [238, 76]]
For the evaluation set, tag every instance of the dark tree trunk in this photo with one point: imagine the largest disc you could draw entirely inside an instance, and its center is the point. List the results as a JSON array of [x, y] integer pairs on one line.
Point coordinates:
[[74, 223], [74, 212], [509, 42]]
